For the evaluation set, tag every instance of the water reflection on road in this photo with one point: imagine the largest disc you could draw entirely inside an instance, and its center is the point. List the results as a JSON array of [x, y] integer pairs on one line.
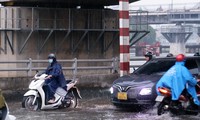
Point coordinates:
[[95, 105]]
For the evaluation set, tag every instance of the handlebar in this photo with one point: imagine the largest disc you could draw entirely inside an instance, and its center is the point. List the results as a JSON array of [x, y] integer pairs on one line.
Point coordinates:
[[38, 76]]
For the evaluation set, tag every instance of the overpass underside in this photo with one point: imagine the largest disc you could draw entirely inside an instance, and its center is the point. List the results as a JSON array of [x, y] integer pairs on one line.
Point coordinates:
[[81, 33], [78, 28], [61, 30], [82, 30], [28, 32], [62, 3]]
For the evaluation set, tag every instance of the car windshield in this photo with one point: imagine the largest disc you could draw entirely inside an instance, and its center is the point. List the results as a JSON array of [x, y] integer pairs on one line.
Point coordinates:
[[155, 66]]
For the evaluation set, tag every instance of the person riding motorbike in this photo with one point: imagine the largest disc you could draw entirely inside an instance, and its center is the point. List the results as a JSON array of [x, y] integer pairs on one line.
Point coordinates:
[[169, 55], [148, 56], [178, 78], [55, 77]]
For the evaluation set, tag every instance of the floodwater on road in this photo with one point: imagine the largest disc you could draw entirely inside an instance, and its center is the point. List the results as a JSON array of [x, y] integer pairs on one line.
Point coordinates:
[[95, 105]]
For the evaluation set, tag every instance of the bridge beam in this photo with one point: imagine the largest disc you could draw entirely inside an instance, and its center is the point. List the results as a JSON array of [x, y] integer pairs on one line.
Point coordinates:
[[177, 36]]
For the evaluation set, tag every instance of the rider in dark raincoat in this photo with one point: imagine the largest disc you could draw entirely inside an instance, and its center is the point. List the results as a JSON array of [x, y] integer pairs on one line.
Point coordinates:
[[148, 56], [177, 78], [55, 77]]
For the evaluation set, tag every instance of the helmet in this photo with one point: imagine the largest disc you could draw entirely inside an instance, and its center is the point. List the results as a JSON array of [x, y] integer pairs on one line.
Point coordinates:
[[180, 58], [51, 56], [148, 54], [197, 54], [170, 55]]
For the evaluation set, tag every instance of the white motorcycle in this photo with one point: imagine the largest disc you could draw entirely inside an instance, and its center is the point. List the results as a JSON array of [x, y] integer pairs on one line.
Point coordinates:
[[35, 97]]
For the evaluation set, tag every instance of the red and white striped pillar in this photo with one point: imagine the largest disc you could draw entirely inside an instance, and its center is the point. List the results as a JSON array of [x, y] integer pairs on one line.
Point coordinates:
[[124, 36]]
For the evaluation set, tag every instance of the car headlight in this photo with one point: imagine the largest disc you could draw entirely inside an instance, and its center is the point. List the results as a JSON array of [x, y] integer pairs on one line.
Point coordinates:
[[146, 91], [111, 90]]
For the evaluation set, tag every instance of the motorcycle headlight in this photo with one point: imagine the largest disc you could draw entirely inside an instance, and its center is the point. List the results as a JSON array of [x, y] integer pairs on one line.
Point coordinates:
[[111, 90], [146, 91]]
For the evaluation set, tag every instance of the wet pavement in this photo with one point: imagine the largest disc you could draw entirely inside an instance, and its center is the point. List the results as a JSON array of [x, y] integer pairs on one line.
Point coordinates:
[[95, 105]]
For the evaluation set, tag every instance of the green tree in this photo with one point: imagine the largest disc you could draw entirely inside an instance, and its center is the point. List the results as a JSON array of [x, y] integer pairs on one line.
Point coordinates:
[[150, 38]]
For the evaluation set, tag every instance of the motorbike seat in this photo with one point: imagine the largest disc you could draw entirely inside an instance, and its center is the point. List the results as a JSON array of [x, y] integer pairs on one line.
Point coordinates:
[[60, 91]]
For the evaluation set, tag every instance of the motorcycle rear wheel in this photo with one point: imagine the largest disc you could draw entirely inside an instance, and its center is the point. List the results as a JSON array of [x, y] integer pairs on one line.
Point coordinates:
[[73, 101], [27, 102], [160, 108]]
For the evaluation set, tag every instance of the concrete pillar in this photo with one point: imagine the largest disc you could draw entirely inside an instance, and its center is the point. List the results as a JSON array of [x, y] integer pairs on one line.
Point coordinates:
[[177, 48], [177, 36], [124, 36]]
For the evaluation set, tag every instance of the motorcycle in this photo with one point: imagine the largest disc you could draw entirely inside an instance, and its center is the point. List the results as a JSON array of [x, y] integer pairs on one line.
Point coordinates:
[[183, 106], [4, 111], [35, 97]]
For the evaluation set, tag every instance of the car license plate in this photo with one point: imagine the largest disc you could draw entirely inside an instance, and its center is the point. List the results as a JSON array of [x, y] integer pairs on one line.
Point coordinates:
[[159, 98], [122, 95]]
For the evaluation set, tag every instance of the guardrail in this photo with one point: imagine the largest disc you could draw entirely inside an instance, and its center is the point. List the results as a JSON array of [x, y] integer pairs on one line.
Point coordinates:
[[75, 65]]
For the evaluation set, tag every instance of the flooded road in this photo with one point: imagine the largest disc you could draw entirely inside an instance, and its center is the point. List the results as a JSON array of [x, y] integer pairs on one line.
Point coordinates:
[[95, 105]]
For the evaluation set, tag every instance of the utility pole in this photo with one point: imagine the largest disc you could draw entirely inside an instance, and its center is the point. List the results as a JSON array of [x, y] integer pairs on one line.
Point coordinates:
[[172, 5], [124, 37]]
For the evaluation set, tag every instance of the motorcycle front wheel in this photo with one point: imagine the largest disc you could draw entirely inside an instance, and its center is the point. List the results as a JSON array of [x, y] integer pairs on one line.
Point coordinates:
[[27, 102]]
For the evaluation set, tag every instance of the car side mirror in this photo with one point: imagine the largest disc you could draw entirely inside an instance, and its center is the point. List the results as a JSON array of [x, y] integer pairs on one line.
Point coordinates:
[[133, 69]]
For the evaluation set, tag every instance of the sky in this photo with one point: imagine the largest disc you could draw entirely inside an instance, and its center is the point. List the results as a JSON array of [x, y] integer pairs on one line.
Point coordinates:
[[166, 4], [157, 2]]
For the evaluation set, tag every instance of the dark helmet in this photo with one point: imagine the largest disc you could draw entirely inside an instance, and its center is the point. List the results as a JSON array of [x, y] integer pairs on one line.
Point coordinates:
[[170, 55], [51, 56], [180, 57], [148, 54], [197, 54]]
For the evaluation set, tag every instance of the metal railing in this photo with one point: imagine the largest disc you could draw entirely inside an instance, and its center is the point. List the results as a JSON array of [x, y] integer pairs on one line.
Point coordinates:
[[74, 65]]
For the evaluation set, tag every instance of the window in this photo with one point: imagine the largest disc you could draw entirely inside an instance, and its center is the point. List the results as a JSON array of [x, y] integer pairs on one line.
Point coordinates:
[[194, 15], [192, 66], [153, 67], [161, 66]]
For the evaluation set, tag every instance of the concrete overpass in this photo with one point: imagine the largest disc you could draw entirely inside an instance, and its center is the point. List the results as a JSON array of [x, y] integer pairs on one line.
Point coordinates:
[[62, 3], [183, 19], [71, 29], [84, 18], [171, 16]]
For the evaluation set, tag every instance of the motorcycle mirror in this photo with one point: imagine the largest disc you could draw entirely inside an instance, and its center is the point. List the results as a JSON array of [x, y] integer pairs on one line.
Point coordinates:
[[75, 80], [37, 71]]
